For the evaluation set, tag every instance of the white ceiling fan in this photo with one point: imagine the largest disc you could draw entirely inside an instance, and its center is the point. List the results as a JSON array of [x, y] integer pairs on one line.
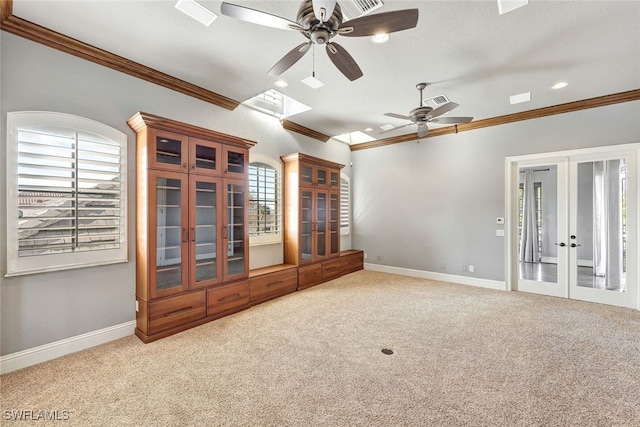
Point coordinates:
[[423, 114]]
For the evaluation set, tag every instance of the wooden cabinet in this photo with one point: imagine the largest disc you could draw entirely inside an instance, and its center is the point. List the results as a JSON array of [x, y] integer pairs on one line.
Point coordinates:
[[271, 282], [312, 209], [192, 240]]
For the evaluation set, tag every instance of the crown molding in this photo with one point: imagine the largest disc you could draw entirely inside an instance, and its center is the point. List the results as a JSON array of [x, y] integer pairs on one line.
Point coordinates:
[[600, 101], [294, 127], [55, 40]]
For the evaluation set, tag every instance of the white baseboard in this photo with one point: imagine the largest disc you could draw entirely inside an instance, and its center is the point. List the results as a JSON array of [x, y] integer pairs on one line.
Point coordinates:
[[452, 278], [33, 356]]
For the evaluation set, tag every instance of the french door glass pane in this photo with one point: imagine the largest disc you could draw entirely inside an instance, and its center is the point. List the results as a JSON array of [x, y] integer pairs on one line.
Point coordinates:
[[168, 233], [205, 231], [601, 240], [538, 241], [235, 228]]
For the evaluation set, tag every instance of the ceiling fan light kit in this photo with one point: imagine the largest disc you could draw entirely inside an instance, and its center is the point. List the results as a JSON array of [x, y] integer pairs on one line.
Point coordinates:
[[320, 21]]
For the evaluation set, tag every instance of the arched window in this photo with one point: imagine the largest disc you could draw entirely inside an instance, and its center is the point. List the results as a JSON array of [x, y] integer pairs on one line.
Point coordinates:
[[265, 211], [66, 198]]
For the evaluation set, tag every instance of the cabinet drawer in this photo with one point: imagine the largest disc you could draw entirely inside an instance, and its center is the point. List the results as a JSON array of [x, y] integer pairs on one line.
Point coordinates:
[[176, 311], [228, 297], [273, 284], [309, 275], [331, 269], [352, 262]]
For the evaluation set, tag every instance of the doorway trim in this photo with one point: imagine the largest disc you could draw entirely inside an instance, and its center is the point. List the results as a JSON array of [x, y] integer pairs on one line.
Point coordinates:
[[511, 202]]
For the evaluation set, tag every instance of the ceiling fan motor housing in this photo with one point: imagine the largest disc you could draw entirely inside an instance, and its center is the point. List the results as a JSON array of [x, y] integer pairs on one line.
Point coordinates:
[[420, 114], [318, 32]]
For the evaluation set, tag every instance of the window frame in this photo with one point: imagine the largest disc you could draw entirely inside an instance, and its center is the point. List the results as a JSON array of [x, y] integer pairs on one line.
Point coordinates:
[[17, 265], [275, 238], [344, 231]]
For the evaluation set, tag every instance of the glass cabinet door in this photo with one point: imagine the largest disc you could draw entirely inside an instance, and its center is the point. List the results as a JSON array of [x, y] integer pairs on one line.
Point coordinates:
[[334, 223], [321, 224], [322, 179], [306, 225], [168, 151], [203, 232], [235, 238], [334, 179], [306, 174], [167, 263], [205, 157], [236, 162]]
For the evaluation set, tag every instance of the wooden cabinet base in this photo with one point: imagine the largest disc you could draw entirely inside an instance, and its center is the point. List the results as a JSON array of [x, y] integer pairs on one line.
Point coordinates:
[[167, 316]]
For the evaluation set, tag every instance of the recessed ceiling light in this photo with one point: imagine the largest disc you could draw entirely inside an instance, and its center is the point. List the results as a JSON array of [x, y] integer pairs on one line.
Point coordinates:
[[196, 11], [387, 127], [281, 83], [559, 85], [521, 97], [312, 82], [505, 6], [368, 129], [380, 38]]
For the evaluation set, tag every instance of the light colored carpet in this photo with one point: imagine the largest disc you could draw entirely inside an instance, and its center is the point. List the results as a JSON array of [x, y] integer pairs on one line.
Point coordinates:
[[463, 356]]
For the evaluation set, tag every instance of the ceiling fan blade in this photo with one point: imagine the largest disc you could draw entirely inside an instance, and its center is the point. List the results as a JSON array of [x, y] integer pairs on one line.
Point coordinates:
[[397, 116], [387, 22], [323, 9], [423, 131], [289, 59], [395, 128], [257, 17], [445, 108], [345, 63], [451, 120]]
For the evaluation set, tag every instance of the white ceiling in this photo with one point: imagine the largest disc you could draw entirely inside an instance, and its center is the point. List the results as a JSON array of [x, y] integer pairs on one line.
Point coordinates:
[[464, 49]]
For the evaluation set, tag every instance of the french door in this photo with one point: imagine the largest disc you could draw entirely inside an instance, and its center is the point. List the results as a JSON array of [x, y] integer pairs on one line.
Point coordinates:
[[572, 229]]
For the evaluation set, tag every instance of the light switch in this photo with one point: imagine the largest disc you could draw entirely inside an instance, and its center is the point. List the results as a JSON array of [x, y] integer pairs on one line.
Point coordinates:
[[500, 233], [500, 221]]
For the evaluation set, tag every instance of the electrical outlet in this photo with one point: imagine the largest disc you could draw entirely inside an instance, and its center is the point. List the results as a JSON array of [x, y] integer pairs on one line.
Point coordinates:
[[365, 255], [137, 306], [443, 266], [471, 269], [464, 268], [379, 258]]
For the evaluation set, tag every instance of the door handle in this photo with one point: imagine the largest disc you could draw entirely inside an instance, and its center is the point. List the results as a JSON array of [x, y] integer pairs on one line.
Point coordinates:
[[563, 244], [573, 245]]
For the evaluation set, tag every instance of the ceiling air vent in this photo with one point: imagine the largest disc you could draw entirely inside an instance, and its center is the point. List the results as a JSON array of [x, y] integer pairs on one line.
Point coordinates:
[[436, 101], [352, 9]]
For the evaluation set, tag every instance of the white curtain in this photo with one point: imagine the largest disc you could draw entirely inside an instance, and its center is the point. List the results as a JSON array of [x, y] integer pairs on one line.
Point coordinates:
[[607, 221], [529, 236]]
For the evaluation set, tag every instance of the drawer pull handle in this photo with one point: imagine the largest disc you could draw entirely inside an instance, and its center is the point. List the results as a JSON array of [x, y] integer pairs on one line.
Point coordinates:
[[182, 310], [275, 283], [230, 298], [332, 269]]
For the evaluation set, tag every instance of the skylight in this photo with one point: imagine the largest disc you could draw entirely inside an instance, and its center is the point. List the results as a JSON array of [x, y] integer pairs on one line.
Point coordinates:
[[356, 137], [276, 104]]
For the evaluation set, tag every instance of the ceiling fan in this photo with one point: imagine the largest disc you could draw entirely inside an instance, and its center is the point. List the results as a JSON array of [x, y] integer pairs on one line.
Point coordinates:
[[424, 114], [321, 20]]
